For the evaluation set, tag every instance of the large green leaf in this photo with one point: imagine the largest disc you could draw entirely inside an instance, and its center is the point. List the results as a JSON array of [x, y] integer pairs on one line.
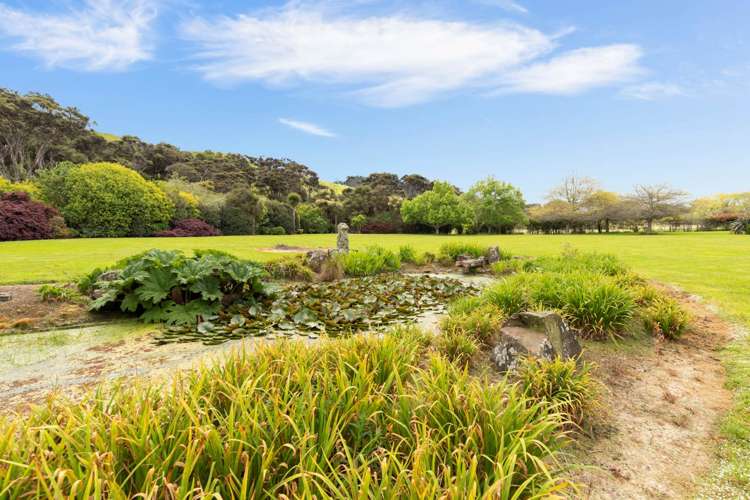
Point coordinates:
[[209, 287], [157, 286]]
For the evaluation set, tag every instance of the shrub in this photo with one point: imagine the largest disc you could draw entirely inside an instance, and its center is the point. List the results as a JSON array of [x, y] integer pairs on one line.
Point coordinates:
[[481, 323], [278, 214], [242, 212], [457, 345], [107, 199], [393, 427], [407, 254], [54, 293], [291, 268], [276, 230], [451, 251], [167, 286], [372, 260], [379, 227], [190, 227], [19, 187], [664, 316], [568, 387], [24, 219]]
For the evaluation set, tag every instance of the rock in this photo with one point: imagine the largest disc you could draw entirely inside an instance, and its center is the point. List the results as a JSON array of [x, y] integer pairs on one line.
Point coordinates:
[[314, 259], [493, 255], [468, 264], [342, 240], [109, 275], [540, 334], [6, 297]]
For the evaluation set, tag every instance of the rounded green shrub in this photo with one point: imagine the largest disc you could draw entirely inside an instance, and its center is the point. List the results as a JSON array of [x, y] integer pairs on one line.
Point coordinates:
[[110, 200]]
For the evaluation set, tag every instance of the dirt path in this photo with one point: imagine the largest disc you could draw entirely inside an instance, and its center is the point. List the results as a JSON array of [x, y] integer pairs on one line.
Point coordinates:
[[662, 404]]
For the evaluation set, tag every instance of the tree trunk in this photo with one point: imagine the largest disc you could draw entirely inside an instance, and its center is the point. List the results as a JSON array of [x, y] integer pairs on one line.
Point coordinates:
[[437, 229], [649, 225], [606, 225]]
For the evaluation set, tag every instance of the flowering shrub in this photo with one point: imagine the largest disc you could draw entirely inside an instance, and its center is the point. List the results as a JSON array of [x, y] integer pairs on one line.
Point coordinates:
[[21, 218], [190, 227]]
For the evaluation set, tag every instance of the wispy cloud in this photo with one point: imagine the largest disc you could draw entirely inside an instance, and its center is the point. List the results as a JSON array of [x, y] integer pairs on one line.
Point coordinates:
[[397, 60], [307, 127], [651, 91], [578, 70], [97, 35], [508, 5]]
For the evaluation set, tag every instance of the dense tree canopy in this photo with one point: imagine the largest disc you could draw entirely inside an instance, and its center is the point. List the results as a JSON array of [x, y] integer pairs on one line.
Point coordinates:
[[497, 205], [437, 208]]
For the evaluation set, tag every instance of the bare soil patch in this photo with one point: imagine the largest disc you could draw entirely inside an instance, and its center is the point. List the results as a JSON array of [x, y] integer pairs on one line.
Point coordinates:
[[662, 402], [28, 312]]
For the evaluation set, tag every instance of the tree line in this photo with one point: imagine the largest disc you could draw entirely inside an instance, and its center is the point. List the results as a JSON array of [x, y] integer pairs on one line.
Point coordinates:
[[52, 153]]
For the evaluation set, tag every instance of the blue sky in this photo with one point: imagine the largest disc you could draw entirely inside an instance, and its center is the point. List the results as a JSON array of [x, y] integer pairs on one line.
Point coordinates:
[[528, 91]]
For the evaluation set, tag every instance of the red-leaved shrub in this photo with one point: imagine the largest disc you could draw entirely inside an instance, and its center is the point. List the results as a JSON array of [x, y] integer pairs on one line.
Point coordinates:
[[379, 228], [21, 218], [190, 227]]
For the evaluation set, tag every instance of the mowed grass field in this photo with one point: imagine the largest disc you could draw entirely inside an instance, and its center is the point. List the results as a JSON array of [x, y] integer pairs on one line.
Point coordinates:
[[715, 265]]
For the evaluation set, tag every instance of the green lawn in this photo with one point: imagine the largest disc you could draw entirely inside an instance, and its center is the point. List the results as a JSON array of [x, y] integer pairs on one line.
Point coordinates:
[[714, 265]]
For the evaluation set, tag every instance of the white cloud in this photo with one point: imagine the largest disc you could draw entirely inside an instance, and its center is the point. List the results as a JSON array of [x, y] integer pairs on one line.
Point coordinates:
[[508, 5], [99, 35], [651, 91], [396, 60], [578, 70], [307, 127]]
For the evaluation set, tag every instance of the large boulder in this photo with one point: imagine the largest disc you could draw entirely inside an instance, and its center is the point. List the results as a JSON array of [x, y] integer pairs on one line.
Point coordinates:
[[540, 334]]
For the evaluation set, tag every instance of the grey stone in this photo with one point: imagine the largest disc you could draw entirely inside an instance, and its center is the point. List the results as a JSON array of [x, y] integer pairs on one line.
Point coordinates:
[[342, 240], [6, 297], [314, 259], [109, 275], [467, 263], [540, 334], [507, 353], [493, 255]]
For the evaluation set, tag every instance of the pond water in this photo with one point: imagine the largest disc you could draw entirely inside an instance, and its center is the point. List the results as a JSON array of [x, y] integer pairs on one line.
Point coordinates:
[[72, 360]]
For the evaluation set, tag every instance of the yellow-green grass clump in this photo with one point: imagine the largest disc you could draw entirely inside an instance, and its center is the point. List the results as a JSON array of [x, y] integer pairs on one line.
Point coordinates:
[[346, 418]]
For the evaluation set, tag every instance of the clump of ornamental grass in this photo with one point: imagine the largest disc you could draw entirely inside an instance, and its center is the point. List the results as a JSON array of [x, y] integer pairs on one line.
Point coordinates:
[[507, 266], [363, 416], [449, 252], [457, 345], [595, 304], [409, 255], [370, 261], [567, 386], [481, 323], [665, 317]]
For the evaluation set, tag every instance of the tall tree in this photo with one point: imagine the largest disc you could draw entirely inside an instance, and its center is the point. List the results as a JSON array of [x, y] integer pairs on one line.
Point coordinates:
[[497, 205], [656, 202], [574, 190], [294, 199], [32, 128], [441, 206]]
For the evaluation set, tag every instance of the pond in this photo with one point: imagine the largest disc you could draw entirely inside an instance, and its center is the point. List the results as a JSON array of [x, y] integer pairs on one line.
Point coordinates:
[[73, 359]]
